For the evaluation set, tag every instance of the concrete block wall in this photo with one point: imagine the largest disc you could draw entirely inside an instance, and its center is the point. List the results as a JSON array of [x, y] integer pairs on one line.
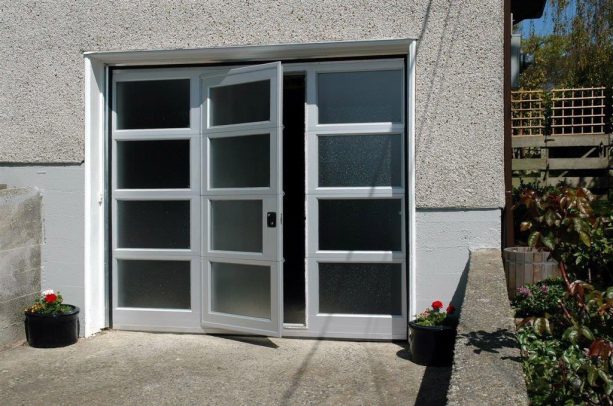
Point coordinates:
[[62, 253], [20, 258]]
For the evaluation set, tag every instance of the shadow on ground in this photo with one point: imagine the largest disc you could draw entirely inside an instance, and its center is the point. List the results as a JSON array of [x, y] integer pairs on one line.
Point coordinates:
[[492, 342], [253, 340], [434, 384]]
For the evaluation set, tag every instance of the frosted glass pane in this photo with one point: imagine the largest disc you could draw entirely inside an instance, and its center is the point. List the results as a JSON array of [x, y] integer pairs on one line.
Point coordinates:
[[240, 289], [360, 225], [236, 225], [360, 97], [153, 164], [360, 288], [240, 161], [242, 103], [153, 104], [359, 160], [154, 284], [153, 224]]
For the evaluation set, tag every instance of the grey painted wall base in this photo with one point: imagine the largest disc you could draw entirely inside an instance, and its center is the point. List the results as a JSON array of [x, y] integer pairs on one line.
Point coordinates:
[[443, 240], [444, 237], [20, 240], [62, 191]]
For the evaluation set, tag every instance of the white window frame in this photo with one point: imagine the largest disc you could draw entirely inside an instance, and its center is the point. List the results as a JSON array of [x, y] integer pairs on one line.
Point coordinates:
[[96, 66]]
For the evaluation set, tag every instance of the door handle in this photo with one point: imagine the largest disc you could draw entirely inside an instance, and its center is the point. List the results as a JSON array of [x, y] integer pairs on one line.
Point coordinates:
[[271, 219]]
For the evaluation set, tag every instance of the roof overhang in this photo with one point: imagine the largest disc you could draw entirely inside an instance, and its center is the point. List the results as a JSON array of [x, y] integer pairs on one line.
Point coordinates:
[[527, 9], [337, 49]]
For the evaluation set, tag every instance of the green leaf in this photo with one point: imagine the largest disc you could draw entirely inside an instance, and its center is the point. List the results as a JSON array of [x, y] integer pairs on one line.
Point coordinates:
[[585, 238], [609, 294], [534, 238], [541, 326], [549, 241], [587, 333], [608, 388], [608, 383], [571, 334], [550, 217], [592, 374]]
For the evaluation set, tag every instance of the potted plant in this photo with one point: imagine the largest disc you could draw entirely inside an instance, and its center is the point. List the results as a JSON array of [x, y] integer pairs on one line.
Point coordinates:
[[432, 335], [50, 323]]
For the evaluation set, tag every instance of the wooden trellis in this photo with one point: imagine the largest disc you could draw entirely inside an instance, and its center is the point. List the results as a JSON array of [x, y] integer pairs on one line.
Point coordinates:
[[528, 112], [565, 140], [578, 111]]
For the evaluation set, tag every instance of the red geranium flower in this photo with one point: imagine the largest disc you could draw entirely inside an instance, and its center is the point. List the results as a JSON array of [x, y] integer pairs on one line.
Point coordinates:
[[437, 304], [450, 309], [51, 298]]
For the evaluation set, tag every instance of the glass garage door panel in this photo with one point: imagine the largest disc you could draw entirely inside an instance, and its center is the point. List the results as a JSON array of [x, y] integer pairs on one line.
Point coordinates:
[[242, 290], [153, 164], [241, 199], [240, 162], [359, 160], [236, 225], [360, 288], [240, 103], [151, 104], [153, 224], [153, 284], [360, 225], [360, 97]]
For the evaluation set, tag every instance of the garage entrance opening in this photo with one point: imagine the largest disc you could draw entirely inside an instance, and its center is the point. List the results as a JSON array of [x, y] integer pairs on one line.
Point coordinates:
[[294, 215], [263, 199]]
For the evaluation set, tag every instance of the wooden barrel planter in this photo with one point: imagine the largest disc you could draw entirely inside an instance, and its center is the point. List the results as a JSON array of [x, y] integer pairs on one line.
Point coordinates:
[[524, 265]]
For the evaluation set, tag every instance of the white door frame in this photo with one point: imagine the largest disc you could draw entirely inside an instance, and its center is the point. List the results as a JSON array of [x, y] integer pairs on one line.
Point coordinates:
[[270, 197], [319, 324], [145, 318], [96, 65]]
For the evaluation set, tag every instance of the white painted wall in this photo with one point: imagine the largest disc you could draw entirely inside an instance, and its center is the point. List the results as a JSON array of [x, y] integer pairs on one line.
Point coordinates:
[[443, 241], [62, 191]]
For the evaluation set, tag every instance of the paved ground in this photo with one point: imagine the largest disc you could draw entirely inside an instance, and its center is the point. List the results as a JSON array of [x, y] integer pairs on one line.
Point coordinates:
[[143, 368]]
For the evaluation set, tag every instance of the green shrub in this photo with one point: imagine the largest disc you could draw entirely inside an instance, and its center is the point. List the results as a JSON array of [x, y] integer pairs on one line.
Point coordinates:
[[563, 222], [561, 374], [539, 299], [568, 354]]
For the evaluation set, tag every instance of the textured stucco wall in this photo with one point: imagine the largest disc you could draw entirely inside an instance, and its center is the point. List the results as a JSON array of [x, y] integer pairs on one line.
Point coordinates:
[[20, 243], [459, 71]]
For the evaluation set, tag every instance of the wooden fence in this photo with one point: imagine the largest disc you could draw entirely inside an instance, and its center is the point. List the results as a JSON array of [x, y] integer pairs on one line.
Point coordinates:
[[563, 136]]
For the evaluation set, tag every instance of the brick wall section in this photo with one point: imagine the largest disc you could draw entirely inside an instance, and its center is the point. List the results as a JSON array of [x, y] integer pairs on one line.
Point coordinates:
[[20, 246], [486, 366]]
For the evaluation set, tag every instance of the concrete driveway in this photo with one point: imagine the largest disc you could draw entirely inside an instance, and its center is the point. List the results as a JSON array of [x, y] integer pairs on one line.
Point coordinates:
[[118, 367]]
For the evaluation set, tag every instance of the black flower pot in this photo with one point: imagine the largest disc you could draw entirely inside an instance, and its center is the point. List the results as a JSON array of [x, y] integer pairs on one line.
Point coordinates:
[[431, 346], [52, 330]]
